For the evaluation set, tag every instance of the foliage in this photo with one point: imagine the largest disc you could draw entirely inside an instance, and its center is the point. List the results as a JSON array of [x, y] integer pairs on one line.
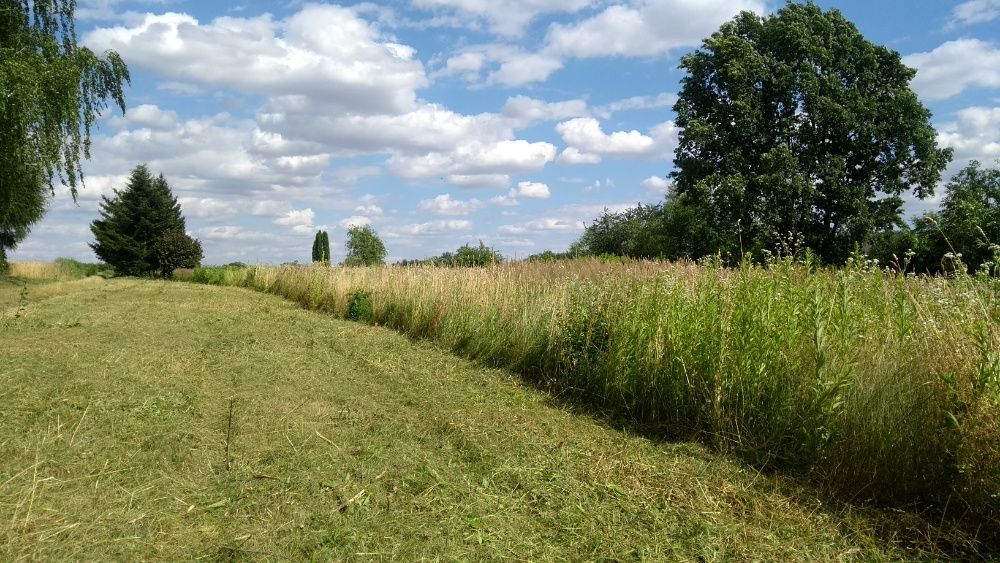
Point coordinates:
[[550, 256], [669, 230], [466, 256], [963, 234], [51, 93], [969, 220], [795, 123], [133, 220], [364, 247], [175, 249], [359, 306], [321, 247]]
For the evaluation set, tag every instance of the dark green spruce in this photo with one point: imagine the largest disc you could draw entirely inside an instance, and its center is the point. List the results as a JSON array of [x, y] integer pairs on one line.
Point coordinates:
[[133, 220]]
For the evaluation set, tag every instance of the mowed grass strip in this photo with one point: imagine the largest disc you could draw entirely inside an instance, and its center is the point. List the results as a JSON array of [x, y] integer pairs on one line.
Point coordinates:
[[156, 420]]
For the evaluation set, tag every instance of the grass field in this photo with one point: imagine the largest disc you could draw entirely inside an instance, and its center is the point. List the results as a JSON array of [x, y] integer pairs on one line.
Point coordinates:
[[879, 388], [157, 420]]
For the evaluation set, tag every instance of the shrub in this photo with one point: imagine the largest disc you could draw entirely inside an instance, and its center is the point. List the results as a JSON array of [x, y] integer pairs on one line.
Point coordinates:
[[359, 306], [175, 249]]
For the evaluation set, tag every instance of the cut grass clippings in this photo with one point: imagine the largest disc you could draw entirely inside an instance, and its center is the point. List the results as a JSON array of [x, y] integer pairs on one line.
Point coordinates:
[[156, 420]]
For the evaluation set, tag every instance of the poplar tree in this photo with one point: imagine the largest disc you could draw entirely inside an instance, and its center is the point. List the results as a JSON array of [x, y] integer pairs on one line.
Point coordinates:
[[321, 247]]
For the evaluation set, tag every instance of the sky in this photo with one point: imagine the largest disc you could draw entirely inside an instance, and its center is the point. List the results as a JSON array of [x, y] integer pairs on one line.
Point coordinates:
[[443, 122]]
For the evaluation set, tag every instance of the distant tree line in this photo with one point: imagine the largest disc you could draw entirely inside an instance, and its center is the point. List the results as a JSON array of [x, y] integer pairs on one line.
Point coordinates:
[[466, 256], [963, 234]]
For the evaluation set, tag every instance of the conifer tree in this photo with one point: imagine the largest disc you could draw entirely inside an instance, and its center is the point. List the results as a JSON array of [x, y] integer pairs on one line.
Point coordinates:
[[321, 247], [133, 220], [324, 248]]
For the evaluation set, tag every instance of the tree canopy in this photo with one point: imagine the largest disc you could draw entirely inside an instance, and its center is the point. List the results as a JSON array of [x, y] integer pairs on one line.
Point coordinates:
[[133, 220], [794, 123], [364, 247], [51, 93]]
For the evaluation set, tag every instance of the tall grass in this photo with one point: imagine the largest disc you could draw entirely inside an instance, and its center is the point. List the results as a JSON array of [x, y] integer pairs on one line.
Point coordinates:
[[881, 387], [60, 269]]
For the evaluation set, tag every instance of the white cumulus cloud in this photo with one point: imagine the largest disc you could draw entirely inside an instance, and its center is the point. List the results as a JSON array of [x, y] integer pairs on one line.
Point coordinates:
[[644, 28], [955, 66], [584, 134], [444, 204]]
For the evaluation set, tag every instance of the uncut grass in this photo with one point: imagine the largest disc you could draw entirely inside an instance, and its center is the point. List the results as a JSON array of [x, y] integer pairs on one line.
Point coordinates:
[[63, 269], [882, 388], [114, 446]]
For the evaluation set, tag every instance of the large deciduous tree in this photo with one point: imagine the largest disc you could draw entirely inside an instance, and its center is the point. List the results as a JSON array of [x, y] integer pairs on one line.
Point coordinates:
[[133, 220], [795, 123], [364, 247], [51, 92]]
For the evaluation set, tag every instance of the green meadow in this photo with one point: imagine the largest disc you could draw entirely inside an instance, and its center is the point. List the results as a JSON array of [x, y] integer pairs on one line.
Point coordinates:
[[567, 411]]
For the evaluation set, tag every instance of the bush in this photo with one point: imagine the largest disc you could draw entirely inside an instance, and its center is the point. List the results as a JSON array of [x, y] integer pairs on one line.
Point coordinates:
[[359, 306], [476, 256], [175, 249]]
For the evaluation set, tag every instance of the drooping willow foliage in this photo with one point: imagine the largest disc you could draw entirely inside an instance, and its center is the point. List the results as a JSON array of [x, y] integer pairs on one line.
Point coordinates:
[[51, 93]]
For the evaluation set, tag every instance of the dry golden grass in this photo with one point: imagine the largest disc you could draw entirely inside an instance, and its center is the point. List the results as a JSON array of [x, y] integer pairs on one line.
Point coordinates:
[[34, 270]]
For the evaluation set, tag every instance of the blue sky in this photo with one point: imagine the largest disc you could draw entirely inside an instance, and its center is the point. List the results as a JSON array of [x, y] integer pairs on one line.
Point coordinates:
[[442, 122]]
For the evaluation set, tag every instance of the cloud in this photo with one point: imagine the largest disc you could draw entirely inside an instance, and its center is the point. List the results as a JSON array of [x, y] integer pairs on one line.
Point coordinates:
[[524, 69], [573, 155], [954, 66], [323, 51], [440, 227], [532, 190], [296, 217], [370, 210], [974, 135], [526, 111], [529, 190], [656, 185], [644, 28], [355, 221], [479, 180], [584, 134], [444, 204], [662, 100], [233, 232], [508, 18], [542, 225], [147, 115], [488, 160], [974, 12]]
